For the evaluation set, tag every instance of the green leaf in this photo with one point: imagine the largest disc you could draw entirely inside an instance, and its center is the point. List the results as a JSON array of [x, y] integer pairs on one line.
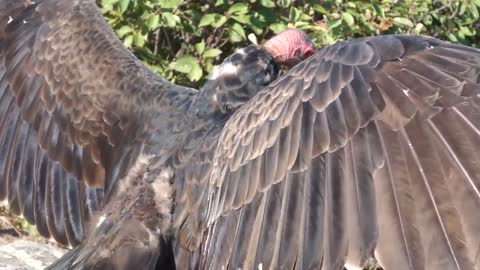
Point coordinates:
[[196, 73], [418, 28], [320, 9], [379, 9], [348, 18], [285, 3], [474, 11], [211, 53], [169, 4], [125, 29], [277, 27], [220, 2], [351, 4], [124, 5], [257, 25], [267, 15], [219, 21], [267, 3], [334, 24], [238, 8], [452, 37], [139, 40], [128, 41], [295, 14], [215, 20], [170, 19], [304, 25], [200, 47], [466, 31], [236, 33], [189, 65], [463, 8], [403, 21], [427, 20], [184, 64], [244, 19], [153, 21], [207, 20]]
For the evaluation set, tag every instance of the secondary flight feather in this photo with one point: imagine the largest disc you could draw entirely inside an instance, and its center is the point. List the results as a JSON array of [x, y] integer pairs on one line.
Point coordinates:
[[366, 151]]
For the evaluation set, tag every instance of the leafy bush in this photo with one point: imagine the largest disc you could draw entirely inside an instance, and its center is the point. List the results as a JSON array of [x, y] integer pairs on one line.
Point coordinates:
[[183, 39]]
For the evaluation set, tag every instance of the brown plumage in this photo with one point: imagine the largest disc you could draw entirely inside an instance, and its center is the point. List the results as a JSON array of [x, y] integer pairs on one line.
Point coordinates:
[[367, 151], [71, 112]]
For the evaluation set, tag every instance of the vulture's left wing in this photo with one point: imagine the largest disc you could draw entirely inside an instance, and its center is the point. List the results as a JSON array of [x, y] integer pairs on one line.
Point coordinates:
[[76, 109], [370, 148]]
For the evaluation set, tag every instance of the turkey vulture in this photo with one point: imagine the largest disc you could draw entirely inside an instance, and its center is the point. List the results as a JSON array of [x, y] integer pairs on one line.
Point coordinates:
[[368, 150]]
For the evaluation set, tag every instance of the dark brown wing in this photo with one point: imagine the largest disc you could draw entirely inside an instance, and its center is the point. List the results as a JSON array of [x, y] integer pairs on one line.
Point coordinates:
[[371, 148], [75, 110]]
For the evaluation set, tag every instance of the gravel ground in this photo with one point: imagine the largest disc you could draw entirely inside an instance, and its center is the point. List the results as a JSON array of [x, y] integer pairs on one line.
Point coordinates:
[[20, 249], [22, 254]]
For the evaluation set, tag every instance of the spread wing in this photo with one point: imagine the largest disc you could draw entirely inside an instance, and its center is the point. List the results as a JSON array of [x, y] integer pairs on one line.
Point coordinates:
[[370, 148], [76, 108]]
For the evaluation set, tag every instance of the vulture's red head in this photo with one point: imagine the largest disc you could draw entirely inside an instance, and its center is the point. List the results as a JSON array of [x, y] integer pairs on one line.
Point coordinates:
[[290, 47]]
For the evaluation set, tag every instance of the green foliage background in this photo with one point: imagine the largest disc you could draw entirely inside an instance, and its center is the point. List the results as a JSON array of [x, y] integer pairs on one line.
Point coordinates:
[[183, 39]]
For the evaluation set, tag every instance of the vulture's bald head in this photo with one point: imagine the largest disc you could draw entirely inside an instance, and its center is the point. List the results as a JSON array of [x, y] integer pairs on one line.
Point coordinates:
[[290, 47]]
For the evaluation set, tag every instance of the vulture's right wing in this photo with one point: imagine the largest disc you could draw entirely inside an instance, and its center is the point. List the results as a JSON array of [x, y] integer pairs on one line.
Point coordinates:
[[75, 110], [369, 148]]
